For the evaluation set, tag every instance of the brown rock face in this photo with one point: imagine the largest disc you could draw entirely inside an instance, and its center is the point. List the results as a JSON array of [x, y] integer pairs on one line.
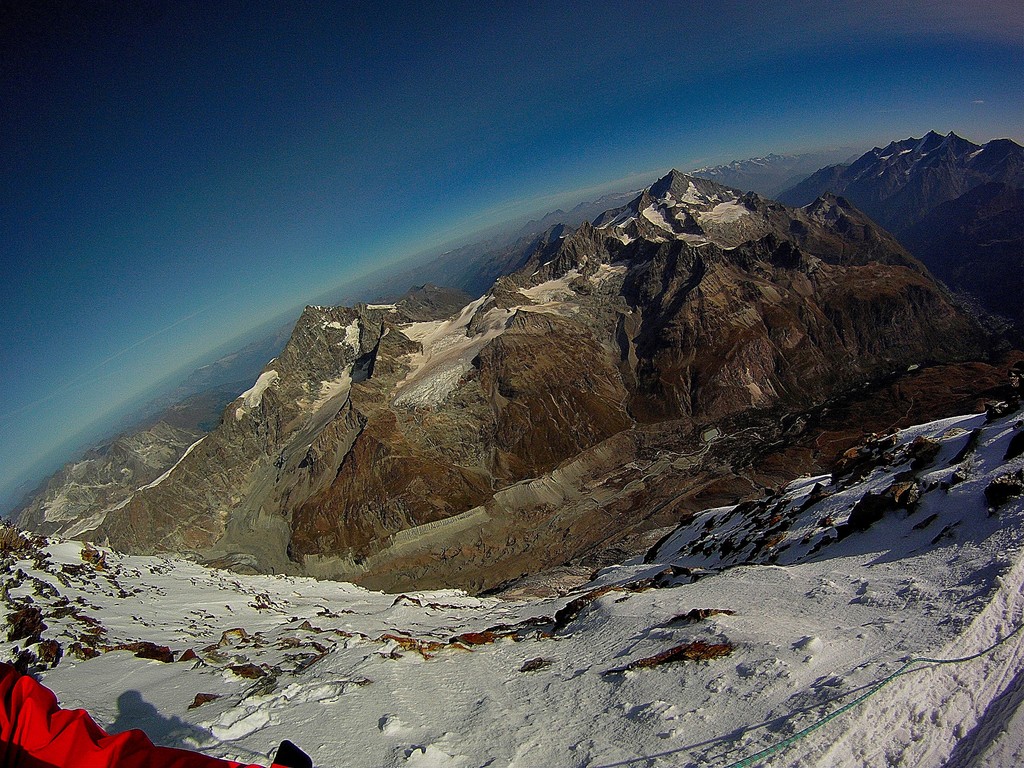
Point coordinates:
[[629, 373], [541, 392], [599, 334], [765, 324], [385, 484], [554, 389]]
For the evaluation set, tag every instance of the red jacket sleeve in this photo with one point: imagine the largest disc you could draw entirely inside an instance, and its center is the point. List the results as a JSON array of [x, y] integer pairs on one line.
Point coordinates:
[[36, 733]]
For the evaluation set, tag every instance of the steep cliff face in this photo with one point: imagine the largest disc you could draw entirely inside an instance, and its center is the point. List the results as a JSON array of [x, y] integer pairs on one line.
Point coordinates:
[[236, 477], [975, 244], [405, 444]]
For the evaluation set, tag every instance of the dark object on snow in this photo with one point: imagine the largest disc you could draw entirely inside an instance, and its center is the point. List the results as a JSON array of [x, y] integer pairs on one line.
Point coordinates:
[[694, 615], [1017, 376], [869, 510], [25, 623], [1016, 446], [996, 409], [290, 756], [697, 650], [203, 698], [1004, 488], [146, 650], [534, 665], [922, 451]]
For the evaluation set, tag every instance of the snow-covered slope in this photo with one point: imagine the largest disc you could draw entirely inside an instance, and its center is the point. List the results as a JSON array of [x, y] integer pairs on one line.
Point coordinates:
[[742, 627]]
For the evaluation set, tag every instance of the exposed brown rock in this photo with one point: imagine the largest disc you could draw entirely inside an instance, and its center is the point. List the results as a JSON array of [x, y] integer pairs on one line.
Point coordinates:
[[535, 665], [25, 623], [49, 652], [1004, 488], [425, 648], [248, 671], [146, 650], [203, 698], [697, 650], [82, 651]]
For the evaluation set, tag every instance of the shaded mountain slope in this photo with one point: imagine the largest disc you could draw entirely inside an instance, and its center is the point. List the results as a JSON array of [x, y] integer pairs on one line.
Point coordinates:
[[899, 184], [975, 244]]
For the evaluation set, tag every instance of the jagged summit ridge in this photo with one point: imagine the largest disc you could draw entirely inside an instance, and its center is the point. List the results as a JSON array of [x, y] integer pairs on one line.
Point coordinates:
[[677, 206], [898, 184]]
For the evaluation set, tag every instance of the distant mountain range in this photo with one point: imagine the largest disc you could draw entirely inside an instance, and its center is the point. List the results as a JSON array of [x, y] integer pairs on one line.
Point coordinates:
[[899, 184], [474, 267], [382, 435], [669, 433], [773, 173], [954, 204]]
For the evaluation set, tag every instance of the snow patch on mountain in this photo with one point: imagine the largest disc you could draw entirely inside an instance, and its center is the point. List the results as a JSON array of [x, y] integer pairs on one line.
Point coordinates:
[[328, 390], [553, 296], [693, 196], [657, 218], [167, 474], [607, 271], [447, 351], [352, 335], [253, 396], [723, 213]]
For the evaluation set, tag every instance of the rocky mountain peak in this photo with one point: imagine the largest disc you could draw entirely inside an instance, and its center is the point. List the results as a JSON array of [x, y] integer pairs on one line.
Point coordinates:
[[828, 208], [425, 302], [928, 142], [898, 185], [383, 432], [676, 187]]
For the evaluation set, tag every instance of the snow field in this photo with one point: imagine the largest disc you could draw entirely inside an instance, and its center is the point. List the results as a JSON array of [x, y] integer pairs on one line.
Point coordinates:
[[816, 609], [447, 352]]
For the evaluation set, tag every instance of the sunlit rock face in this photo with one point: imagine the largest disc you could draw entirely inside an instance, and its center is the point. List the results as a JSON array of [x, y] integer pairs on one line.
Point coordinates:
[[589, 394]]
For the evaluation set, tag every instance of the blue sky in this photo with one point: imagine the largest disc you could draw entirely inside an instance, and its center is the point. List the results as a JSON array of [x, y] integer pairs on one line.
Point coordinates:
[[175, 174]]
